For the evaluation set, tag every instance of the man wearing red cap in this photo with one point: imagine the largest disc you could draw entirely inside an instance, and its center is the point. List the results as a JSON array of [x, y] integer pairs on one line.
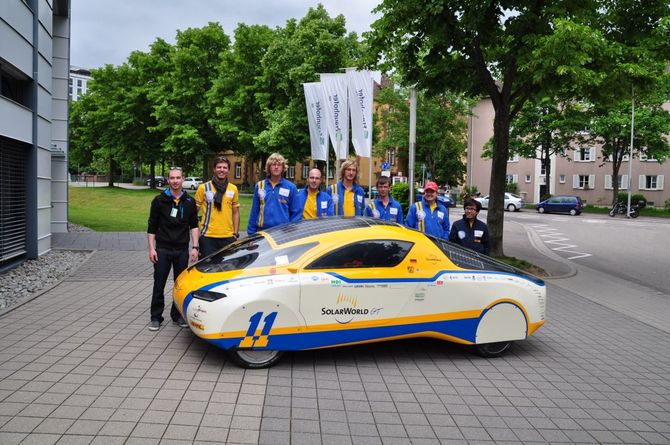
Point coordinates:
[[428, 215]]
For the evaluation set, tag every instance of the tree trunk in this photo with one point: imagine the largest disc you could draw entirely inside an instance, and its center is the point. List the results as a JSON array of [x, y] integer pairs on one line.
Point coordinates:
[[495, 216], [110, 181]]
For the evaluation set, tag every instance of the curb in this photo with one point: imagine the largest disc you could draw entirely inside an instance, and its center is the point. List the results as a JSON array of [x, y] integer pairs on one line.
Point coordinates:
[[538, 245]]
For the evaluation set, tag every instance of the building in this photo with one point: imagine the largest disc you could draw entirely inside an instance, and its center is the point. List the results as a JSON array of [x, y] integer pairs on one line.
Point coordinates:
[[583, 172], [34, 66], [78, 82]]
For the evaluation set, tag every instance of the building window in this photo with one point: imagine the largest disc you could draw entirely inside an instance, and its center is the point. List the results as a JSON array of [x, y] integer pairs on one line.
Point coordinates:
[[78, 82], [238, 170], [651, 182], [390, 157], [543, 169], [622, 182], [527, 179], [585, 154], [583, 182], [305, 169], [291, 172], [561, 179], [511, 179], [646, 158], [14, 88], [514, 158]]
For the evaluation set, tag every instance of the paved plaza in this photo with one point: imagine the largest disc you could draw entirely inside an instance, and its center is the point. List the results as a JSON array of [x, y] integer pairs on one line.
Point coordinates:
[[78, 365]]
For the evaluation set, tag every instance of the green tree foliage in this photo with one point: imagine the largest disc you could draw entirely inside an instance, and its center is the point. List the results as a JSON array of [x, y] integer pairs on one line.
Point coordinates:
[[514, 51], [400, 192], [441, 131], [299, 52], [180, 98]]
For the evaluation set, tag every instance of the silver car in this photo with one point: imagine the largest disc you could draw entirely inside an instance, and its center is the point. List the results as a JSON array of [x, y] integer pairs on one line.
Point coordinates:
[[513, 202], [191, 182]]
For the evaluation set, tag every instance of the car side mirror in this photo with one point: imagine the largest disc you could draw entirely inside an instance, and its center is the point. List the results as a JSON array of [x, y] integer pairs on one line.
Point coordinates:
[[292, 269]]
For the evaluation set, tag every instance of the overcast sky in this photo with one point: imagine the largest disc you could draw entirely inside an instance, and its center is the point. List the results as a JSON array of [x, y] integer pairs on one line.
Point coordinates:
[[107, 32]]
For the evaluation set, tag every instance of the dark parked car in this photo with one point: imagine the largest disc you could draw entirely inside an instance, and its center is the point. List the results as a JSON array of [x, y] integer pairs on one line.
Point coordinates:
[[561, 204], [160, 181]]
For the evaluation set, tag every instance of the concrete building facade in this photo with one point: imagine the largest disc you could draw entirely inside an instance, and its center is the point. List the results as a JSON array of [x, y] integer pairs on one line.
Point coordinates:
[[34, 67], [583, 172]]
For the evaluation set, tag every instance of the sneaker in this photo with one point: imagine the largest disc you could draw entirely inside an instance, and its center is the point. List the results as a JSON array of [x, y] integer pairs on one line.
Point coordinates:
[[154, 325], [181, 322]]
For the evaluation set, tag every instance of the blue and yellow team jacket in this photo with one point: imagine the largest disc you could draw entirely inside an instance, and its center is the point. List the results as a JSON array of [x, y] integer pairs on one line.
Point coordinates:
[[324, 203], [359, 198], [278, 205], [435, 222], [392, 212]]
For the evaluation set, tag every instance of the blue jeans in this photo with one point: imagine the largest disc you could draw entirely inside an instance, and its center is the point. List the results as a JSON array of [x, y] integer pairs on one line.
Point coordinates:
[[177, 260]]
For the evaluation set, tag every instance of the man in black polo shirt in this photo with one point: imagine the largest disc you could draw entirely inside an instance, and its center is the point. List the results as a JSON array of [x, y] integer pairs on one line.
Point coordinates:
[[470, 232], [172, 220]]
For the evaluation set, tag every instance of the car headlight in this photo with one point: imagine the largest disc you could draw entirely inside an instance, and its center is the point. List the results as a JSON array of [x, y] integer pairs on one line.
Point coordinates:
[[208, 295]]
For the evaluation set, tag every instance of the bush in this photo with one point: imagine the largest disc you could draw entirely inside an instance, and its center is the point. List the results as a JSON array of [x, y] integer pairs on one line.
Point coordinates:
[[667, 204], [512, 187], [400, 192], [469, 192], [634, 199]]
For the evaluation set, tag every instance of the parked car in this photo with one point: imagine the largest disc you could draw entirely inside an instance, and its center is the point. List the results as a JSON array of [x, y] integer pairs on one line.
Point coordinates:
[[191, 182], [160, 181], [442, 197], [338, 281], [513, 202], [561, 204]]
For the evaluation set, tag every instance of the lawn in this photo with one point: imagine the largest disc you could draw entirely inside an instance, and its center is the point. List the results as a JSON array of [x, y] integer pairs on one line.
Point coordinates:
[[115, 209]]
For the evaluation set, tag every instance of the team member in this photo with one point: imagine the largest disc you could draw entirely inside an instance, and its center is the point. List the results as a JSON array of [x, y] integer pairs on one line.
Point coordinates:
[[348, 197], [173, 214], [219, 208], [384, 206], [469, 231], [313, 202], [274, 200], [428, 215]]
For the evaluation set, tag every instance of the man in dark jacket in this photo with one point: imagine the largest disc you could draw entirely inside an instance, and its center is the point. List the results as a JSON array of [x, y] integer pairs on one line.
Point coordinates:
[[173, 222], [469, 231]]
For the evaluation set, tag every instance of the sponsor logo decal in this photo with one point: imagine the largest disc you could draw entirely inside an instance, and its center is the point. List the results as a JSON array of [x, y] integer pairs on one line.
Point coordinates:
[[346, 309]]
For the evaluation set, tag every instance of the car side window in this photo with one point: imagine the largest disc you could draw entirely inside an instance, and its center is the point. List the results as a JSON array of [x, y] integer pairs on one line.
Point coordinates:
[[374, 253], [555, 200]]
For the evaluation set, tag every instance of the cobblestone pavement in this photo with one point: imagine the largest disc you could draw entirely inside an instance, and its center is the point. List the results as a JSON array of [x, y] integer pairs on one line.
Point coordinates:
[[78, 365]]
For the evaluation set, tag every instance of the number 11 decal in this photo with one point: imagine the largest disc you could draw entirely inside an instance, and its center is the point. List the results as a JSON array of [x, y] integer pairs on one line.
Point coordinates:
[[261, 341]]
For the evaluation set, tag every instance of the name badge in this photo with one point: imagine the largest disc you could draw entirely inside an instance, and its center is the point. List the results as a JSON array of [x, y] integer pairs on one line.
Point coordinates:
[[440, 215], [324, 204], [173, 212], [284, 191], [393, 211], [230, 193], [479, 233]]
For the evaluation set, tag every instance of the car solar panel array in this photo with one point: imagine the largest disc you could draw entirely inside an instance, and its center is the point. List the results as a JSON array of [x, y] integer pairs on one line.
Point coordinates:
[[308, 227]]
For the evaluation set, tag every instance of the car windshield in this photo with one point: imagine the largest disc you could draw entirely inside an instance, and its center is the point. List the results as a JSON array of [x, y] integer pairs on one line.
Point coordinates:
[[251, 252]]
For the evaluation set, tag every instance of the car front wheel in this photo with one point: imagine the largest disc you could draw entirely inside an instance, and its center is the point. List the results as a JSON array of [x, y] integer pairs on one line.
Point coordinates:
[[540, 210], [254, 359], [491, 350]]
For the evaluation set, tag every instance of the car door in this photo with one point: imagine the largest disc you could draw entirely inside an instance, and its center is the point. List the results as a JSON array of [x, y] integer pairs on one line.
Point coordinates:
[[554, 205], [360, 284]]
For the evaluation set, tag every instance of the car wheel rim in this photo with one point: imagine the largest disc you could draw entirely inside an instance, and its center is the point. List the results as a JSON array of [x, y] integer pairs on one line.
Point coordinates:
[[256, 357]]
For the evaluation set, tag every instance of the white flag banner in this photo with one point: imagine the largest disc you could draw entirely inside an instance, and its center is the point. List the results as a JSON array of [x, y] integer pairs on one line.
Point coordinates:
[[360, 105], [318, 134], [337, 115]]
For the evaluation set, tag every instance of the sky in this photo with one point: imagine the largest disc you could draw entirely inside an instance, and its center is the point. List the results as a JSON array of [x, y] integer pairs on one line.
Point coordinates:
[[105, 32]]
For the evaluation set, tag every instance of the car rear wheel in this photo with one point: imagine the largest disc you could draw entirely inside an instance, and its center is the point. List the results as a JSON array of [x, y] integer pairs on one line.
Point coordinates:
[[573, 212], [540, 209], [511, 208], [255, 358], [491, 350]]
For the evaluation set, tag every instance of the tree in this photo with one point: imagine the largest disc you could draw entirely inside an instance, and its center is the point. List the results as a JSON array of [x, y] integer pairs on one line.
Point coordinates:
[[441, 131], [299, 52], [513, 51], [234, 96], [180, 99]]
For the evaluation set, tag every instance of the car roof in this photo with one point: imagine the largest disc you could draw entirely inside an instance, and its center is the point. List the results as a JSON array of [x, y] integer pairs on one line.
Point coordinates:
[[308, 228]]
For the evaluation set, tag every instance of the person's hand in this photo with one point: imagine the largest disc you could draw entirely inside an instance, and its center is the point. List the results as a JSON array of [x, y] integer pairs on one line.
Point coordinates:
[[153, 256], [193, 255]]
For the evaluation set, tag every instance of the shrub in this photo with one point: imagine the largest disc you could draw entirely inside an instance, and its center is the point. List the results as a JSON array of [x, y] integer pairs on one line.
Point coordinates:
[[667, 204], [634, 199], [400, 192], [512, 187], [469, 191]]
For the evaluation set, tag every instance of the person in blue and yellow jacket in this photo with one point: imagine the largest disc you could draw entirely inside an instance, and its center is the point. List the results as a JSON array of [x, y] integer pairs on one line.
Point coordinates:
[[313, 202], [274, 201], [384, 206], [348, 197], [428, 215]]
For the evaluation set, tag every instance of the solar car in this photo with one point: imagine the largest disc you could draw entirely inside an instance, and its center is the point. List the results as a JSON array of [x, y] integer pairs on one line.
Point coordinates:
[[343, 281]]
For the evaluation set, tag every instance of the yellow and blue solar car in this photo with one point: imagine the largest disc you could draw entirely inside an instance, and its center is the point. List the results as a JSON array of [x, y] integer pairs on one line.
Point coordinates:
[[343, 281]]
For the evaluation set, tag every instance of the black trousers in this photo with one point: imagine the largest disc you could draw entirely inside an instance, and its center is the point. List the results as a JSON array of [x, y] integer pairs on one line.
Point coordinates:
[[210, 245], [177, 260]]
